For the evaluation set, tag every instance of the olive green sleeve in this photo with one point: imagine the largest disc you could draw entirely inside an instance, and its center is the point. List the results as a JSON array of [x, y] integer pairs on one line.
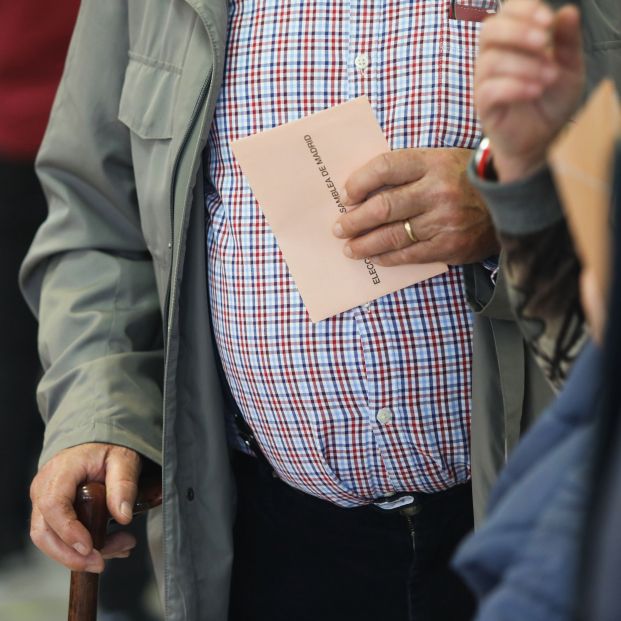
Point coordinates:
[[88, 276]]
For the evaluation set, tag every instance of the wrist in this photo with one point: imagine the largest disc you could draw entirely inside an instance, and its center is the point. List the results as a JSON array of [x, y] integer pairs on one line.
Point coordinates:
[[512, 168]]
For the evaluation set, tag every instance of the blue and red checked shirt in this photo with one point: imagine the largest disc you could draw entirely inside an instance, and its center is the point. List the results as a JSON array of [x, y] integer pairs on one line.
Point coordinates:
[[377, 399]]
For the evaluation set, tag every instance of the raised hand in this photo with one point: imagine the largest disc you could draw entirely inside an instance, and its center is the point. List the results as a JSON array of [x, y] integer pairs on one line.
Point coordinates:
[[529, 79]]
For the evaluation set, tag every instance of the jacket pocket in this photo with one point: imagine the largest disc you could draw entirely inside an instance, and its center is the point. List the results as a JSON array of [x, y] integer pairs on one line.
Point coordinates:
[[147, 99], [146, 108]]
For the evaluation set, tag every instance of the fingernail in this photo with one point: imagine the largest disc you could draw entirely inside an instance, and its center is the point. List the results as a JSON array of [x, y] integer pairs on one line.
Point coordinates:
[[109, 557], [343, 196], [348, 252], [126, 509], [543, 16], [93, 568], [337, 229], [80, 549]]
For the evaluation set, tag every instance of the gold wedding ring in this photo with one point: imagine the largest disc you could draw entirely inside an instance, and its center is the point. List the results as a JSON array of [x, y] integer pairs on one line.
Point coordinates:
[[410, 233]]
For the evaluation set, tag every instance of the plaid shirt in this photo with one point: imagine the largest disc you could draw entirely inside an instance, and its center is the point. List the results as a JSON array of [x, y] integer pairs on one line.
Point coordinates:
[[377, 399]]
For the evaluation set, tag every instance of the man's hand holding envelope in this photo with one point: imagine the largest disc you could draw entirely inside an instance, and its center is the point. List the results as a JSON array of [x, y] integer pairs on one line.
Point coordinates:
[[297, 172], [416, 206], [306, 175]]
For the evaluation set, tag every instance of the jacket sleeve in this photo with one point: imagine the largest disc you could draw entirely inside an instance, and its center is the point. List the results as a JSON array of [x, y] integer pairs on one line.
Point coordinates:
[[88, 275]]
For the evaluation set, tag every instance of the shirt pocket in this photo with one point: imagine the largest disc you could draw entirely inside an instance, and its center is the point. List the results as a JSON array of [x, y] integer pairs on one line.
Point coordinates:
[[457, 124], [146, 107]]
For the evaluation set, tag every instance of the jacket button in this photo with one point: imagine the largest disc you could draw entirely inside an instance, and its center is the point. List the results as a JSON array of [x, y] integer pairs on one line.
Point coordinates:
[[190, 494]]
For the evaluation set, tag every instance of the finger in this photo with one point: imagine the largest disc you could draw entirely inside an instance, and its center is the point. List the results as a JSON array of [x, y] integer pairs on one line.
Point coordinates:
[[496, 63], [390, 205], [423, 252], [528, 10], [53, 546], [504, 91], [521, 35], [118, 545], [393, 168], [54, 501], [568, 38], [122, 471], [381, 240]]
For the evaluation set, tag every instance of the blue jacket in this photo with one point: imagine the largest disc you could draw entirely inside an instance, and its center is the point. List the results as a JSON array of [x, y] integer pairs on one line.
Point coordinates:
[[522, 563]]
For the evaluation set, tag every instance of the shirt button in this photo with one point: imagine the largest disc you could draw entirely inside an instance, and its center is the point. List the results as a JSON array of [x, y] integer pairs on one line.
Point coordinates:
[[361, 61], [384, 416]]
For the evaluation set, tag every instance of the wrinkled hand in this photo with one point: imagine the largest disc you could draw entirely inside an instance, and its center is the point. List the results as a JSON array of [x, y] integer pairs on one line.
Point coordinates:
[[529, 79], [429, 188], [55, 529]]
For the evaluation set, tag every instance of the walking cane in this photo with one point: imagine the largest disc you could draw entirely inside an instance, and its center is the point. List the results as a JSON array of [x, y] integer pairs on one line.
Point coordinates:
[[91, 509]]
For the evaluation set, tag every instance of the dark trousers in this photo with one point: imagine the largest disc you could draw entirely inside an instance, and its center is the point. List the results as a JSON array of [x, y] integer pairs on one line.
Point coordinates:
[[298, 558]]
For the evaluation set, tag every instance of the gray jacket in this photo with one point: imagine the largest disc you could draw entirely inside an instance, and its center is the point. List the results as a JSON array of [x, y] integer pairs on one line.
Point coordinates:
[[116, 274], [121, 255]]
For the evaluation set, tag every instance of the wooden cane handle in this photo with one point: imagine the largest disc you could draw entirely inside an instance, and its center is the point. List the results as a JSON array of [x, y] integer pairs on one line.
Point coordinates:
[[91, 509]]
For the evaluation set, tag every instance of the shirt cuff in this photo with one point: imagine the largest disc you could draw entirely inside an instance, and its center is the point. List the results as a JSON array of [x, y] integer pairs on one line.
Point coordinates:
[[523, 207]]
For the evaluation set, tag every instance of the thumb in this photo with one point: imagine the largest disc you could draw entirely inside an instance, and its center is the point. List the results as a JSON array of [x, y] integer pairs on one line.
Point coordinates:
[[123, 468], [568, 38]]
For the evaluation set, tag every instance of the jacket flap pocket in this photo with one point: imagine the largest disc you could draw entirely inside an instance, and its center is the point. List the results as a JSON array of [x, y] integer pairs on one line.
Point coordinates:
[[147, 98]]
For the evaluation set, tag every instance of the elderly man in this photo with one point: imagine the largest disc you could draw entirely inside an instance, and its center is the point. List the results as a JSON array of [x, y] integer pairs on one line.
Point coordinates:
[[167, 312]]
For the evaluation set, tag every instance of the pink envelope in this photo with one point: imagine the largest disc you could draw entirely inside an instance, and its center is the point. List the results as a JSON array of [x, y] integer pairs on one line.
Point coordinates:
[[295, 172]]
